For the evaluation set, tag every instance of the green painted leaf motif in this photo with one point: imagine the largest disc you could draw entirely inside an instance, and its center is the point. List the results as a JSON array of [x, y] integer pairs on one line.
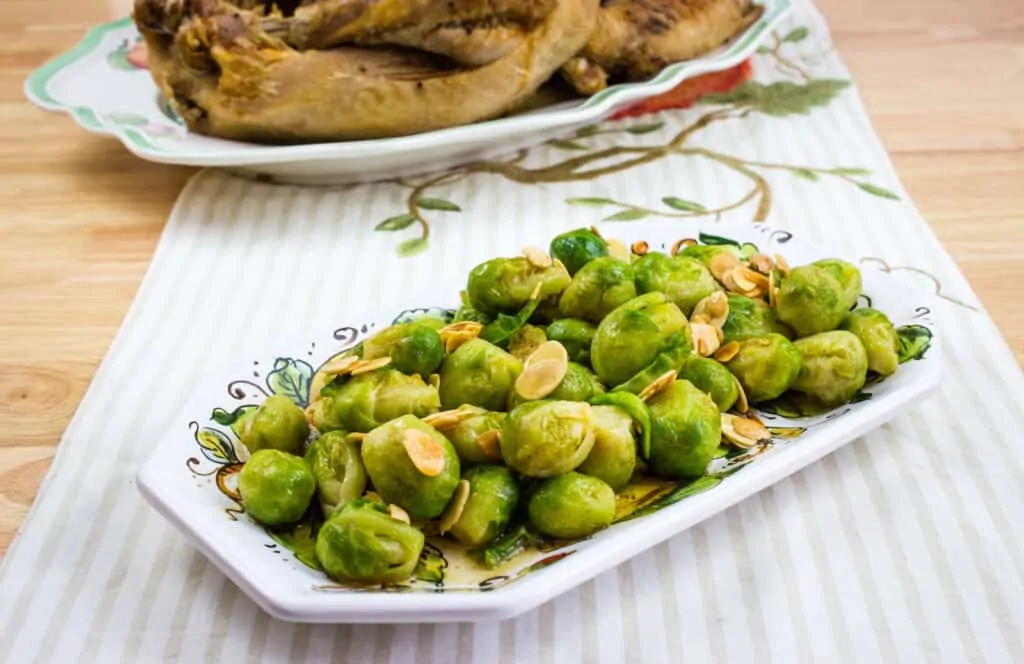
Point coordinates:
[[438, 204], [699, 485], [683, 205], [781, 98], [291, 378], [589, 130], [861, 396], [797, 35], [215, 446], [591, 202], [645, 128], [763, 50], [627, 215], [851, 171], [412, 246], [432, 565], [914, 342], [126, 118], [877, 191], [396, 223], [232, 419], [717, 240], [118, 58], [805, 173], [567, 145], [300, 538], [748, 249]]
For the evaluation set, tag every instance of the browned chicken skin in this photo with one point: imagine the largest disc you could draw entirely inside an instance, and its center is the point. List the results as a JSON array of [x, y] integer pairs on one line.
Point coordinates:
[[635, 39]]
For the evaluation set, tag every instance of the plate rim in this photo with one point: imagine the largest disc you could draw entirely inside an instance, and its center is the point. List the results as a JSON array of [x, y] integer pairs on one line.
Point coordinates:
[[298, 604], [596, 108]]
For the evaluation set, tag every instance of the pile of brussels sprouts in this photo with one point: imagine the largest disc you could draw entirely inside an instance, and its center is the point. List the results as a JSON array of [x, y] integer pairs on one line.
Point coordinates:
[[561, 377]]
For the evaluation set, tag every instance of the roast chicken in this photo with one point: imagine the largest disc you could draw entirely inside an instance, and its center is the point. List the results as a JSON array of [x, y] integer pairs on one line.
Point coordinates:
[[299, 71]]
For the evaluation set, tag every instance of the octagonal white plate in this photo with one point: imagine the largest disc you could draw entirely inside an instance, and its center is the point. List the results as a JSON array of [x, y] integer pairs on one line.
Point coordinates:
[[101, 84], [190, 476]]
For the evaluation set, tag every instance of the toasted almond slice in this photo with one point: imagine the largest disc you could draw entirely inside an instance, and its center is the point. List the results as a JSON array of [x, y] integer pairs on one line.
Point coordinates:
[[540, 379], [456, 334], [761, 262], [490, 443], [355, 437], [549, 350], [780, 262], [366, 366], [773, 291], [749, 280], [449, 419], [311, 412], [398, 514], [727, 352], [713, 309], [535, 293], [742, 404], [722, 263], [242, 452], [456, 505], [537, 257], [658, 384], [705, 339], [743, 432], [640, 248], [461, 326], [424, 452], [617, 249], [682, 244], [338, 365]]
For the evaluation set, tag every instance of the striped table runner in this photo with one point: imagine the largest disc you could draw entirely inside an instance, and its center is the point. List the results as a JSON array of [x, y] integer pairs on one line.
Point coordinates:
[[905, 545]]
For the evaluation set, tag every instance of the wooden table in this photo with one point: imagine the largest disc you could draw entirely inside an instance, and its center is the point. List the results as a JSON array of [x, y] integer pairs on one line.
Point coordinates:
[[943, 81]]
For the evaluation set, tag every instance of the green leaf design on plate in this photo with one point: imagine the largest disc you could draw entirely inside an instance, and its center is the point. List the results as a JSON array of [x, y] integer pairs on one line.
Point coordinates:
[[748, 249], [717, 240], [437, 204], [232, 419], [683, 205], [396, 223], [763, 50], [627, 215], [431, 566], [781, 98], [592, 202], [645, 128], [215, 446], [878, 191], [685, 490], [914, 342], [567, 145], [126, 118], [797, 35], [589, 130], [851, 171], [412, 246], [300, 538], [805, 173], [291, 378]]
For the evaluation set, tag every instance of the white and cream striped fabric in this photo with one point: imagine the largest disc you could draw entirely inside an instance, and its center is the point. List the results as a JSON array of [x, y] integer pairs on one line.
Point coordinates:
[[904, 546]]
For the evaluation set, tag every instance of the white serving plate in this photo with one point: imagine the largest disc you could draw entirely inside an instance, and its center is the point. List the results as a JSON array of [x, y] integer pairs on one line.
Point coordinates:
[[180, 477], [97, 84]]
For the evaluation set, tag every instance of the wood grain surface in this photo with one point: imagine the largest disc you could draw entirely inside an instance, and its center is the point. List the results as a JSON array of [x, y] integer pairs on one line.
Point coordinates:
[[943, 81]]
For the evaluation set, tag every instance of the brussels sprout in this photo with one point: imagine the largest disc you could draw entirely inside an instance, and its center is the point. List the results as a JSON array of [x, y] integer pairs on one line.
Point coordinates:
[[815, 298], [572, 506], [684, 280], [601, 285], [397, 479], [577, 248], [686, 429], [525, 340], [546, 438], [338, 469], [493, 496], [278, 424], [362, 544], [751, 318], [713, 379], [276, 487], [613, 457], [766, 366], [504, 285], [579, 384], [631, 336], [466, 433], [635, 407], [576, 335], [671, 358], [834, 367], [876, 332], [414, 348], [467, 313], [478, 373], [703, 253], [368, 400]]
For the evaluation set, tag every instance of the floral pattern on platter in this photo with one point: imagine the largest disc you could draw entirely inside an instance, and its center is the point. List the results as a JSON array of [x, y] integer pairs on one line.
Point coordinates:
[[445, 566]]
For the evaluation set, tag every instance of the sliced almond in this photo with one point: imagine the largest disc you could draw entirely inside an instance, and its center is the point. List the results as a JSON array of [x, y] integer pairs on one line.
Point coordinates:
[[722, 263], [682, 244], [456, 505], [242, 452], [424, 452], [761, 262], [742, 404], [743, 432], [338, 365], [398, 514], [616, 249], [355, 437], [490, 443], [658, 384], [780, 262], [537, 257], [640, 248], [311, 412], [540, 379], [727, 352], [713, 309], [449, 419], [456, 334], [705, 339], [366, 366], [749, 280], [773, 291], [549, 350]]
